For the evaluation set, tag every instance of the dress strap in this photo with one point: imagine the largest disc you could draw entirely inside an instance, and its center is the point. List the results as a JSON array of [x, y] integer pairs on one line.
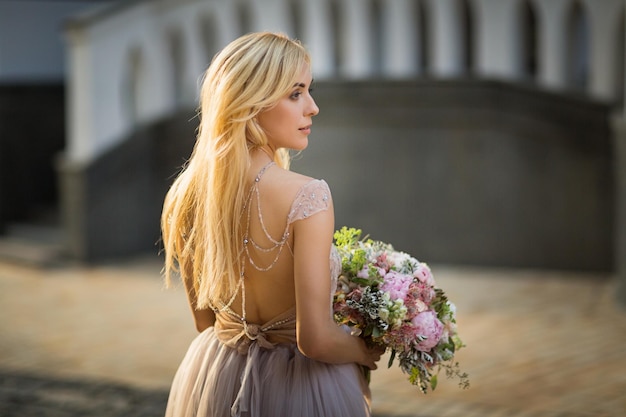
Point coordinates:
[[262, 171]]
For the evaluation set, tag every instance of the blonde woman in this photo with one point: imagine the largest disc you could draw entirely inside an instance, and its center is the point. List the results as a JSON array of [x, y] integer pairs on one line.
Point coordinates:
[[252, 242]]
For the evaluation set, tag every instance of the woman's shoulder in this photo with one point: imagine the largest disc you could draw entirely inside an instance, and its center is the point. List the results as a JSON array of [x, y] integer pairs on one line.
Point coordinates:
[[294, 184], [304, 195]]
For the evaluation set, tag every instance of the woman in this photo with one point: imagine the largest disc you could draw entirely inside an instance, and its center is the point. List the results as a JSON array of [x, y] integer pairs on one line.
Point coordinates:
[[252, 242]]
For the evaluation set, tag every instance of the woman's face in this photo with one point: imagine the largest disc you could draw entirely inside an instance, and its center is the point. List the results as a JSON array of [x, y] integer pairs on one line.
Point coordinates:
[[288, 123]]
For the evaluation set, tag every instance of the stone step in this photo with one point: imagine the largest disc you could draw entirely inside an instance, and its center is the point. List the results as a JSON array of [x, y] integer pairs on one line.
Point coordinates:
[[31, 244]]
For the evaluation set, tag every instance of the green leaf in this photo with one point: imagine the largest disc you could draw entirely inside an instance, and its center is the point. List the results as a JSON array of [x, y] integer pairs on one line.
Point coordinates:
[[347, 236], [375, 332], [433, 382], [391, 358], [363, 281]]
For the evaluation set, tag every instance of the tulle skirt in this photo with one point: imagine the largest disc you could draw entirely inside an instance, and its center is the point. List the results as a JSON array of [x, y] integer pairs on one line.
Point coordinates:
[[215, 380]]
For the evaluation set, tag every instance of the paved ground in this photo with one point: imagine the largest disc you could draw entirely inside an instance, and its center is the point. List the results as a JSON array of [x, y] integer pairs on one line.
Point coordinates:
[[106, 341]]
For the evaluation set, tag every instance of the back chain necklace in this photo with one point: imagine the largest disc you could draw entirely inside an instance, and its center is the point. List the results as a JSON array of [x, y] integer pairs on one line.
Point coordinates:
[[248, 241], [276, 245]]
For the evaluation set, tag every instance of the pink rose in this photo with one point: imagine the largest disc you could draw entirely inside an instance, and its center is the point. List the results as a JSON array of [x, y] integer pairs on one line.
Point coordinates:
[[423, 274], [425, 291], [428, 325], [418, 298], [396, 284], [381, 262]]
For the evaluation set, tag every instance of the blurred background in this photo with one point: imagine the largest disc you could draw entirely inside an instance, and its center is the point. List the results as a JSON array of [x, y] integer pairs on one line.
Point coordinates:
[[483, 136]]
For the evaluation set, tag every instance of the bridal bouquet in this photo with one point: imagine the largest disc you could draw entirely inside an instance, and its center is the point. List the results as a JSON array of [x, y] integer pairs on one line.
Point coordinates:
[[390, 299]]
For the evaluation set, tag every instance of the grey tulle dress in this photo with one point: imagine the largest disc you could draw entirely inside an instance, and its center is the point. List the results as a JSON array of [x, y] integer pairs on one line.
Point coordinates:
[[230, 370]]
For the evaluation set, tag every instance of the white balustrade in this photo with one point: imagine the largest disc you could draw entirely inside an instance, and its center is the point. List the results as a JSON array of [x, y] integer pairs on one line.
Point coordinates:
[[158, 50]]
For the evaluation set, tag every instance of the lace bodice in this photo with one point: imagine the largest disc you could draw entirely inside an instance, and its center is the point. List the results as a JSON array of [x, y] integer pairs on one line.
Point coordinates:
[[312, 198]]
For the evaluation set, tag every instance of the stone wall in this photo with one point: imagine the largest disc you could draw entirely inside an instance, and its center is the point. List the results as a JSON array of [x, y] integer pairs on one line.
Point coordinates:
[[469, 172], [466, 172], [111, 207]]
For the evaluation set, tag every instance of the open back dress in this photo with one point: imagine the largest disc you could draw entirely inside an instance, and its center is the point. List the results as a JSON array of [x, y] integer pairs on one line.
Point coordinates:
[[237, 368]]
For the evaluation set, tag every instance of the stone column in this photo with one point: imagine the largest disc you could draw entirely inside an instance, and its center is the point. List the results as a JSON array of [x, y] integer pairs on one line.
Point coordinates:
[[498, 45], [604, 23], [228, 24], [272, 15], [355, 37], [197, 61], [619, 162], [3, 180], [552, 33], [400, 47], [79, 93], [318, 37], [447, 57], [71, 180]]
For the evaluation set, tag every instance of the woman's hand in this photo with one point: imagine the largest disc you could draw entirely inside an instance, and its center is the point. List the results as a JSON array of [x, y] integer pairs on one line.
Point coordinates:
[[371, 354]]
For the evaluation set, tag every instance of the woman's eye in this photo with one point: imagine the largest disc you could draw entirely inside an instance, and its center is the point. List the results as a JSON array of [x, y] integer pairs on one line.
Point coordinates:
[[296, 95]]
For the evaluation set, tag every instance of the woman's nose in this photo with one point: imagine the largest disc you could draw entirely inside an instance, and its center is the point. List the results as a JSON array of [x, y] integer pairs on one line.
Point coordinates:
[[312, 110]]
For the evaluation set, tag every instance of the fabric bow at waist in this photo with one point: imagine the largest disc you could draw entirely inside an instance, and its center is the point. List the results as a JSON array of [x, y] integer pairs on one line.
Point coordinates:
[[236, 334]]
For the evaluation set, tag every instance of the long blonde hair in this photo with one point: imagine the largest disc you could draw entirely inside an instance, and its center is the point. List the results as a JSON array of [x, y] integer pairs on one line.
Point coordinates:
[[200, 223]]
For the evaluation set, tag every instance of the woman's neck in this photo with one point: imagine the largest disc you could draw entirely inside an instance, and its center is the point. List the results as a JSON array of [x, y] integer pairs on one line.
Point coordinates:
[[262, 154]]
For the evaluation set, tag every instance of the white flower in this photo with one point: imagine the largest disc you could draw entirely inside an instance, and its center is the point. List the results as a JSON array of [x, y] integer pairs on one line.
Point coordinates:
[[452, 307]]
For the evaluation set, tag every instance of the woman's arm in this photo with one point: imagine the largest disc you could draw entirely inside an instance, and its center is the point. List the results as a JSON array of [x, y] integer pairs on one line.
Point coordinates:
[[202, 318], [318, 336]]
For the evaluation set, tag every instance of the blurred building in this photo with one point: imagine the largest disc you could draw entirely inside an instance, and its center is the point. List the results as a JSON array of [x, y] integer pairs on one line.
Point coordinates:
[[32, 118], [464, 131]]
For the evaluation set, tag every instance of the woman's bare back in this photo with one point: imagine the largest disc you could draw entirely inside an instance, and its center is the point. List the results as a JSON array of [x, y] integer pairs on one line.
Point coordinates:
[[269, 262]]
